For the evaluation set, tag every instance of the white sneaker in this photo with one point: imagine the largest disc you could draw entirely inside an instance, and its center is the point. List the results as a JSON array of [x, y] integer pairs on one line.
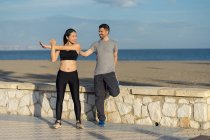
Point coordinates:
[[79, 125], [57, 124]]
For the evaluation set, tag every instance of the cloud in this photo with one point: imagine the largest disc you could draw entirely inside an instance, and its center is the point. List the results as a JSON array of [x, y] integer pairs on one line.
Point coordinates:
[[121, 3]]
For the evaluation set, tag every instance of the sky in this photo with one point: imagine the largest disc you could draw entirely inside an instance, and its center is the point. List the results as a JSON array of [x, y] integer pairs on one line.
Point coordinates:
[[135, 24]]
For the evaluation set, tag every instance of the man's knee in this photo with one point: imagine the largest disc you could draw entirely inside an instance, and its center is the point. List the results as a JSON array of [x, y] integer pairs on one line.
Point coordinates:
[[115, 93]]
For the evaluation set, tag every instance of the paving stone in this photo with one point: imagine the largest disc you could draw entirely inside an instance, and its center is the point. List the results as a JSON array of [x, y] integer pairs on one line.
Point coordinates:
[[33, 128]]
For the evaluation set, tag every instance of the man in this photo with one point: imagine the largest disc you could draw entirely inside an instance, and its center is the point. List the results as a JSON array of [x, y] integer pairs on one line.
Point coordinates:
[[106, 51]]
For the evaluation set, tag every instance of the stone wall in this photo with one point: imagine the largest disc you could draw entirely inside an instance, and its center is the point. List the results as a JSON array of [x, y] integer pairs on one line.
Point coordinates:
[[159, 106]]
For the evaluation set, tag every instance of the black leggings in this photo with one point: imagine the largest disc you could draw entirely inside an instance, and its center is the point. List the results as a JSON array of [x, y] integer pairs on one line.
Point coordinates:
[[72, 79]]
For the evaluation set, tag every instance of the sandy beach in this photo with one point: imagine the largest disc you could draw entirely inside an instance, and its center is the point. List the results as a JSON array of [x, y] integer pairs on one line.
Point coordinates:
[[137, 73]]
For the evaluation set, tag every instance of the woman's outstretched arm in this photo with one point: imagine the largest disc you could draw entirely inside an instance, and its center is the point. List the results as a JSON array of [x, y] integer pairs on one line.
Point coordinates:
[[67, 48]]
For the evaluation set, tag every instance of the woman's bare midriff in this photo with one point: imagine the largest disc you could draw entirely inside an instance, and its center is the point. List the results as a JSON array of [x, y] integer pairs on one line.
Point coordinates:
[[68, 65]]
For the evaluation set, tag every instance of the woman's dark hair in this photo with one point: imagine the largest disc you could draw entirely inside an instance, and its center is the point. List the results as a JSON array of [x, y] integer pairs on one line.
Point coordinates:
[[105, 26], [67, 34]]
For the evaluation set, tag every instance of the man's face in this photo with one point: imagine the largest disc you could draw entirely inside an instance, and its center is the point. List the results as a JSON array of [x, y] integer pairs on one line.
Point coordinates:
[[103, 33]]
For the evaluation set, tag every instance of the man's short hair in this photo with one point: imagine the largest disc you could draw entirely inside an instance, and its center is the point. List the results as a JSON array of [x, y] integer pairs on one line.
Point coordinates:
[[105, 26]]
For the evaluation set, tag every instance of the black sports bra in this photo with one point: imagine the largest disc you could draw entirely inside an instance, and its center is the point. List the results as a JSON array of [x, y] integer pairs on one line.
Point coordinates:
[[68, 55]]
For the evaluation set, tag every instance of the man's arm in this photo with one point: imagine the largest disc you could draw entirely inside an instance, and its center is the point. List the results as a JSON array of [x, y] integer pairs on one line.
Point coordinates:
[[86, 53], [115, 57]]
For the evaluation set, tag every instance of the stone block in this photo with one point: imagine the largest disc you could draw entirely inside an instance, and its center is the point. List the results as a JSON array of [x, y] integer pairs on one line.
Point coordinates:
[[170, 100], [3, 99], [71, 104], [208, 112], [24, 111], [145, 121], [205, 125], [114, 117], [147, 100], [184, 111], [155, 111], [65, 106], [200, 112], [110, 106], [123, 108], [45, 104], [144, 111], [184, 122], [169, 122], [128, 99], [208, 100], [13, 105], [169, 109], [67, 96], [183, 101], [3, 110], [194, 124], [137, 107], [25, 100], [200, 100], [72, 115], [128, 119]]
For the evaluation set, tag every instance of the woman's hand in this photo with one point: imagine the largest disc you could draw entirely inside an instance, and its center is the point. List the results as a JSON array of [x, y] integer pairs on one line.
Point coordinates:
[[44, 46], [52, 42]]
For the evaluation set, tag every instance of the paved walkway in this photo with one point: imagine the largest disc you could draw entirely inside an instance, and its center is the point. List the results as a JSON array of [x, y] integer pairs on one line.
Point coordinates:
[[31, 128]]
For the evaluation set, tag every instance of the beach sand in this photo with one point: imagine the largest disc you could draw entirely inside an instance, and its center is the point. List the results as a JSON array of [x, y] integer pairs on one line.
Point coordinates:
[[136, 73]]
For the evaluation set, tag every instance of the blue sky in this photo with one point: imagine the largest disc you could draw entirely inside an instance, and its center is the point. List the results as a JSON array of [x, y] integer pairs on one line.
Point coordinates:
[[135, 24]]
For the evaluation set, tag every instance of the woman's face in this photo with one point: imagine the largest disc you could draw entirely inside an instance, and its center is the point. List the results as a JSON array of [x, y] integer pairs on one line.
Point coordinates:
[[72, 38]]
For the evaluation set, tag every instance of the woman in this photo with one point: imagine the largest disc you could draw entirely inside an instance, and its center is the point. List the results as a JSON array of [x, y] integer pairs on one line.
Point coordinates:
[[67, 74]]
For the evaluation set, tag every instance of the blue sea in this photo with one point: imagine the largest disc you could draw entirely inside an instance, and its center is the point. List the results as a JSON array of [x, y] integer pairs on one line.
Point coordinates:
[[126, 55]]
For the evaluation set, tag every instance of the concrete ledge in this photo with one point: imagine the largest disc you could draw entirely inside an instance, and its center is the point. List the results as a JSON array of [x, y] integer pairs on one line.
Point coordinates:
[[192, 92], [167, 91], [134, 90], [38, 87], [8, 85], [47, 87], [144, 90]]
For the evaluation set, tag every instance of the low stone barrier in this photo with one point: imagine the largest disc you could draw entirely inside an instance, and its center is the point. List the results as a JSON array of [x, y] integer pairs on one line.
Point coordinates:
[[160, 106]]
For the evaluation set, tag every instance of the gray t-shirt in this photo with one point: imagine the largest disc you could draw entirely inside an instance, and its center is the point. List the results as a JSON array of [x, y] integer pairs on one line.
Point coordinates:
[[104, 51]]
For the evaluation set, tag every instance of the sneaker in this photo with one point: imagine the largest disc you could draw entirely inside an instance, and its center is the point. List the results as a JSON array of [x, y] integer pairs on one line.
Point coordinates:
[[79, 125], [57, 124], [101, 123]]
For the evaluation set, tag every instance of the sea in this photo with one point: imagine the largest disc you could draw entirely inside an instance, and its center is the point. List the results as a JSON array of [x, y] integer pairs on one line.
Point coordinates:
[[123, 54]]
